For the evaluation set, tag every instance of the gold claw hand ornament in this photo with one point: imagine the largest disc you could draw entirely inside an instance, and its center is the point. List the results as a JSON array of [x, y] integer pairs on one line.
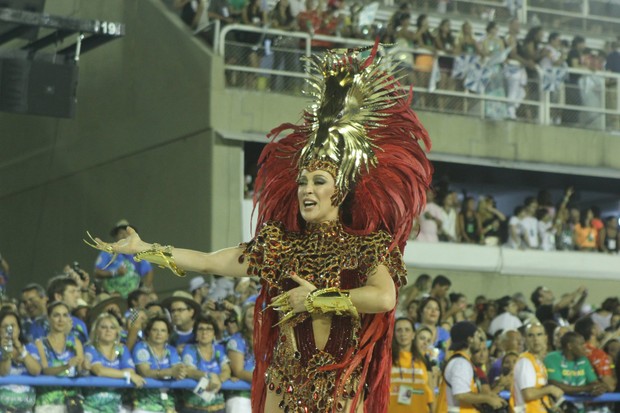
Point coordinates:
[[101, 246], [281, 303], [156, 254]]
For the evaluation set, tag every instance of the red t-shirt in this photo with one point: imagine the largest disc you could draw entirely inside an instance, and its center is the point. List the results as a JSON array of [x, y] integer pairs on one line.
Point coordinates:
[[599, 360]]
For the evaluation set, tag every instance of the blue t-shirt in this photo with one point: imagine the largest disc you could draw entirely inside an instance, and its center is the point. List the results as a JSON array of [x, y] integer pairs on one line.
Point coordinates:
[[191, 357], [154, 400], [140, 267], [106, 400], [182, 338], [40, 327], [237, 343], [56, 395], [19, 396], [130, 280]]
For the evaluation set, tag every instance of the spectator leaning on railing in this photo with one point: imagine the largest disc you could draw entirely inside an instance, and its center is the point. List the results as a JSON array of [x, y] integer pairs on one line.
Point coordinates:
[[240, 350], [18, 358], [205, 358], [570, 370], [156, 359], [61, 354], [107, 357]]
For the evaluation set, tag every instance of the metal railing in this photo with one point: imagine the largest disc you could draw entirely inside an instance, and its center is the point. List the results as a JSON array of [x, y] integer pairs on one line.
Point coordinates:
[[595, 17], [267, 59]]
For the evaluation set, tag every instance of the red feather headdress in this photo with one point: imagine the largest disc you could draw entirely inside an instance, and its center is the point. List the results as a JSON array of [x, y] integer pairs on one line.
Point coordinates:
[[361, 120]]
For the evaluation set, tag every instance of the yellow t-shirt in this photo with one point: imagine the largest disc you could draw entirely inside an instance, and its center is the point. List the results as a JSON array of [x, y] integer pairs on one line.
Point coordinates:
[[414, 375]]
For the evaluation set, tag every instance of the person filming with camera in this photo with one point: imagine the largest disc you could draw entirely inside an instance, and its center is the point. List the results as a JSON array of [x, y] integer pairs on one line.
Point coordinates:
[[460, 389], [531, 392]]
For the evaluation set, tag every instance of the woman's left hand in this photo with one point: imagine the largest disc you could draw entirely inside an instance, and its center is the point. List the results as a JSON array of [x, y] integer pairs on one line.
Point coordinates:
[[215, 384], [293, 301], [297, 296], [136, 379]]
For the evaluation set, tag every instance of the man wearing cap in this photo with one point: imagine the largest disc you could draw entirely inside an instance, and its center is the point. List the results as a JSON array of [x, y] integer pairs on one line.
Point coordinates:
[[530, 393], [459, 390], [183, 311], [199, 288], [123, 274]]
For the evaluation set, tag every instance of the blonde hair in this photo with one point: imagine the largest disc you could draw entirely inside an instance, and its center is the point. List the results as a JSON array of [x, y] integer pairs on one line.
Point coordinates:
[[94, 335]]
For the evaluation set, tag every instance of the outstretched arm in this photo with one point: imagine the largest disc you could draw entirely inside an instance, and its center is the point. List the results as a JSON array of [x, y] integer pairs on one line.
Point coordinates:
[[223, 262]]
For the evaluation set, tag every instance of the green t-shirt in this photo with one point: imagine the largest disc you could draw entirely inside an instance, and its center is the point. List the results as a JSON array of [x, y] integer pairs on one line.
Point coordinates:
[[577, 372]]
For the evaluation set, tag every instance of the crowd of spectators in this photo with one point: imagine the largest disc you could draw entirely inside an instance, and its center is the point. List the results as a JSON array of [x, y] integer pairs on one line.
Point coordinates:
[[78, 325], [579, 346], [115, 325], [537, 224], [504, 62]]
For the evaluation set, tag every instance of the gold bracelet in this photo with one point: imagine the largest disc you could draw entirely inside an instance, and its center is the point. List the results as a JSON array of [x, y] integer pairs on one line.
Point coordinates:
[[330, 300], [160, 256]]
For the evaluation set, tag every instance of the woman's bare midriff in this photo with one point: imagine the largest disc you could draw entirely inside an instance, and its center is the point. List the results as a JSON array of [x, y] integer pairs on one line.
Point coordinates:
[[273, 400], [321, 325]]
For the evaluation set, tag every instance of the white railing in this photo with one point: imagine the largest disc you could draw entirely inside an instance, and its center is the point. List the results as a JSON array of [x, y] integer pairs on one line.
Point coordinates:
[[599, 111]]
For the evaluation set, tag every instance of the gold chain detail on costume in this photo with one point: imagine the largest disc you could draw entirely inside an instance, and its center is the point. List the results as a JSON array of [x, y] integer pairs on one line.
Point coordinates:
[[330, 300], [160, 256]]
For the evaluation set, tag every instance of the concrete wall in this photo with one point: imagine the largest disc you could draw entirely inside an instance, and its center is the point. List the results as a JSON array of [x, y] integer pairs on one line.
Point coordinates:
[[141, 147], [460, 135]]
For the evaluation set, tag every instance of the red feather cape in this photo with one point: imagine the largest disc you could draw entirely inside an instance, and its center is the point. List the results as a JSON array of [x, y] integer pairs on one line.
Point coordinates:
[[387, 197]]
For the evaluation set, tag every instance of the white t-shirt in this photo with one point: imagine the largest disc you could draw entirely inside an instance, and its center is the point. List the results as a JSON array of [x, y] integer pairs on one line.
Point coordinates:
[[459, 374], [529, 226], [547, 235], [428, 227], [514, 225], [548, 62], [524, 378], [505, 321], [448, 222]]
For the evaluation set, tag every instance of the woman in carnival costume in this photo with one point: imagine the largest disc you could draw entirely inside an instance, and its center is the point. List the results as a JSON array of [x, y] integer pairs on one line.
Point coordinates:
[[336, 199]]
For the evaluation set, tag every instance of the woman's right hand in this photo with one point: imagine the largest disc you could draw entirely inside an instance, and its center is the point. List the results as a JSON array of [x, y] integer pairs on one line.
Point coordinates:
[[137, 379], [179, 371], [75, 362], [132, 244]]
